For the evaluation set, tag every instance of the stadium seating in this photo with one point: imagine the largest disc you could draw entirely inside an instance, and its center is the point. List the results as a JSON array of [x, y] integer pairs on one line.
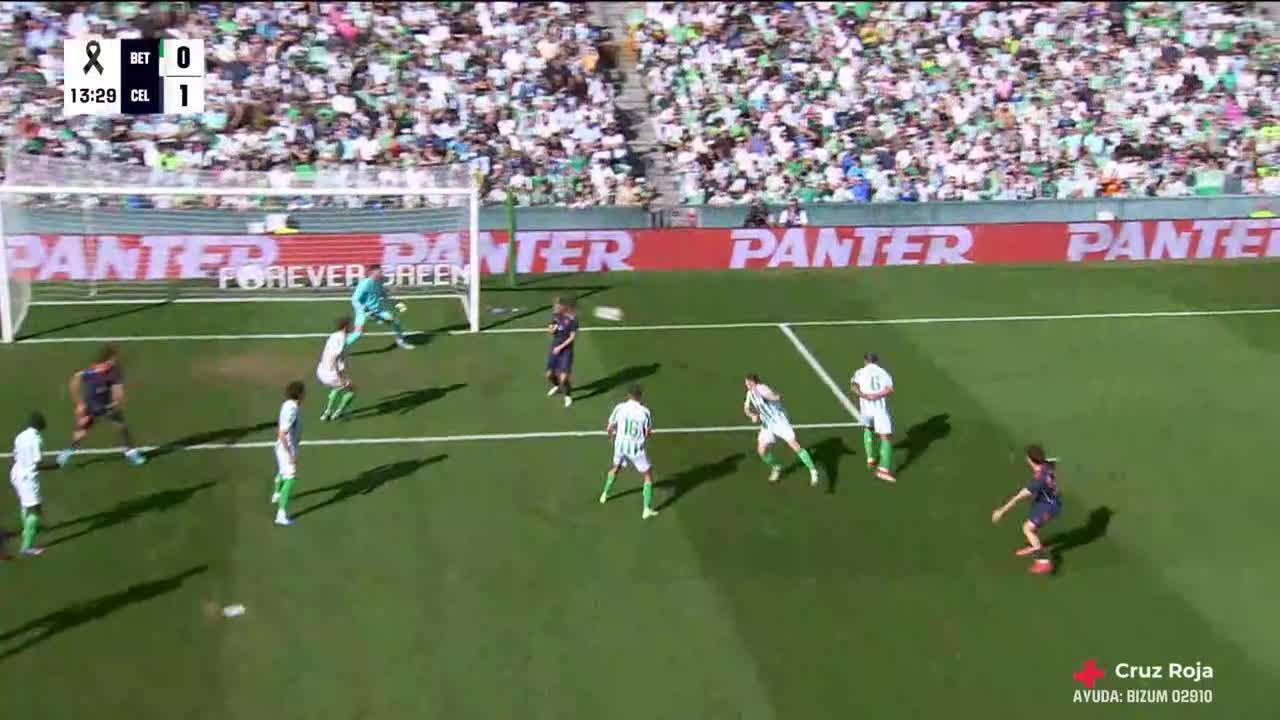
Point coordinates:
[[299, 88], [914, 101]]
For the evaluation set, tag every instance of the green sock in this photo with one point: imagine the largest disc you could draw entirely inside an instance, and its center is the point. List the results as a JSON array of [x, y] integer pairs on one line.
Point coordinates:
[[333, 397], [395, 325], [286, 489], [30, 524], [648, 495], [608, 481], [869, 442], [804, 458], [768, 459], [886, 455], [347, 396]]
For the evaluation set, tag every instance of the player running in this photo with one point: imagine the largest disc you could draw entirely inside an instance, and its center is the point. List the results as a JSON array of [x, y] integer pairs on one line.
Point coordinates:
[[98, 391], [872, 386], [28, 447], [288, 436], [564, 332], [764, 406], [1045, 506], [332, 372], [630, 425], [369, 300]]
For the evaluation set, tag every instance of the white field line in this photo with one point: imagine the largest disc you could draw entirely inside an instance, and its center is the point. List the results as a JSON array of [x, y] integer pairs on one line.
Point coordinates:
[[430, 439], [697, 326], [817, 368]]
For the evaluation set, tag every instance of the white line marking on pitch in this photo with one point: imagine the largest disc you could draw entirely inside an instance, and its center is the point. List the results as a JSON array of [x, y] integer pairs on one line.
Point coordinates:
[[694, 326], [817, 368], [427, 439]]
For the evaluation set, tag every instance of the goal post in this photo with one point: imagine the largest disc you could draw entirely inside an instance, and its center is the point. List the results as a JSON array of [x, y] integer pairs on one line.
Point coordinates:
[[134, 235]]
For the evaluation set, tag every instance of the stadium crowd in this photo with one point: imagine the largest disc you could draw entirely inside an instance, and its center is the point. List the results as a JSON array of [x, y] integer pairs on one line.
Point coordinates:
[[820, 102], [915, 101], [309, 92]]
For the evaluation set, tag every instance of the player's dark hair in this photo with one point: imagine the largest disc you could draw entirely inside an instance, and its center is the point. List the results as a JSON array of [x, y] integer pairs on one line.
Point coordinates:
[[37, 420], [871, 357], [373, 268], [753, 377], [634, 392], [570, 303], [108, 353], [344, 323], [1035, 454], [294, 390]]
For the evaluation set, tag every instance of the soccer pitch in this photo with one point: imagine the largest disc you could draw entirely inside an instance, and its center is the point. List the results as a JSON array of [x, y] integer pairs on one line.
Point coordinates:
[[450, 559]]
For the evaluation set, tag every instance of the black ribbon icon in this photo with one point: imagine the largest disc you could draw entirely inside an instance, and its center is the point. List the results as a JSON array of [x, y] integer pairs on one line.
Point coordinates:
[[93, 50]]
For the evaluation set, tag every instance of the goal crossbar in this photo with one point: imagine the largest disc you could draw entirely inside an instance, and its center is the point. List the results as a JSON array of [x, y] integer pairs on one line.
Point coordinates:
[[233, 192], [9, 321]]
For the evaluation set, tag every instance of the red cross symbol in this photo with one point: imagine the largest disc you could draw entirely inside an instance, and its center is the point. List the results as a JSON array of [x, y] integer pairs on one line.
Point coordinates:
[[1090, 674]]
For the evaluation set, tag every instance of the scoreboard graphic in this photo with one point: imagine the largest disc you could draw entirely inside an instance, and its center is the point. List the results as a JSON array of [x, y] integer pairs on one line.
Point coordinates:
[[133, 76]]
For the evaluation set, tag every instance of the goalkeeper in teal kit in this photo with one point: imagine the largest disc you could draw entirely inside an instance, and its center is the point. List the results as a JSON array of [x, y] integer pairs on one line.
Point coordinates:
[[369, 301]]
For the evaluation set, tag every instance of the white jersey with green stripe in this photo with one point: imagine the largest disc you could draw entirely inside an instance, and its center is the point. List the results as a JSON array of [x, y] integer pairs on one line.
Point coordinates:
[[767, 405], [631, 422]]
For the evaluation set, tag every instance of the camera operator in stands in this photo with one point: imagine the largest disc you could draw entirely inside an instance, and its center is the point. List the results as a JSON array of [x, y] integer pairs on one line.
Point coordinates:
[[757, 215], [792, 215]]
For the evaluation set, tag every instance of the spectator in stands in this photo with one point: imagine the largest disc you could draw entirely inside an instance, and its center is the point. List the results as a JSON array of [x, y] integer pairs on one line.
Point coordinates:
[[330, 92], [792, 215], [918, 101]]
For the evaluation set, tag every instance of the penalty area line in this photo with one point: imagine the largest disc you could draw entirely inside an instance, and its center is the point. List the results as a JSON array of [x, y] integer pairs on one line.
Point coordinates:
[[431, 439], [817, 368], [691, 326]]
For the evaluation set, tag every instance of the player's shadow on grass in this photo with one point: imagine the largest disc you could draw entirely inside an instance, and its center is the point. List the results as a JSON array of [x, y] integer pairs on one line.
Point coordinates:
[[580, 293], [114, 313], [225, 436], [827, 454], [367, 481], [686, 481], [920, 437], [1094, 528], [128, 510], [55, 623], [416, 339], [625, 376], [403, 402]]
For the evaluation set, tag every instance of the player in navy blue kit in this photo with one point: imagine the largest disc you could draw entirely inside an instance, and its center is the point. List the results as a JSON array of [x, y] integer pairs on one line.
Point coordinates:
[[564, 331], [98, 392], [1045, 506]]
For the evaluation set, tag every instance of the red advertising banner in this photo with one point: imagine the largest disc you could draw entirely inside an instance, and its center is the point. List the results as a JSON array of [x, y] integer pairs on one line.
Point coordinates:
[[159, 257]]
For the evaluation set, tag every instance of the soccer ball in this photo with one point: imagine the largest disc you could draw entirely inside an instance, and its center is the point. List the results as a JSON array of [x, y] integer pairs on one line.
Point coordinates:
[[401, 307], [612, 314]]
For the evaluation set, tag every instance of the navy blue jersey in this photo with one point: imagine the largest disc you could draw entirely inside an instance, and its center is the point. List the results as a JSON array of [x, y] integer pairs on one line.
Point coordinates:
[[1044, 486], [564, 326], [96, 382]]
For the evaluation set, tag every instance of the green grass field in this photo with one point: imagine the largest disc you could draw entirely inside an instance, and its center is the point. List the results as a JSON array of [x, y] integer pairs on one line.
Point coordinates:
[[478, 577]]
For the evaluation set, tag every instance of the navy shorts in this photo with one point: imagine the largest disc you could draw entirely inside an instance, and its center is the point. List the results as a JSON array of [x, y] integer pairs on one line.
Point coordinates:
[[1042, 513], [93, 411], [561, 363]]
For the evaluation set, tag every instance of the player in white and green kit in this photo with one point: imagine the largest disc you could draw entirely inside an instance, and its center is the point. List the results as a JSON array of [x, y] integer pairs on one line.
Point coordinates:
[[332, 372], [28, 450], [764, 406], [369, 300], [288, 439], [630, 425]]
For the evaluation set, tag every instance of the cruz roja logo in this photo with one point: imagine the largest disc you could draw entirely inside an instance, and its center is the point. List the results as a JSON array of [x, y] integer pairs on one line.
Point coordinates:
[[1090, 689]]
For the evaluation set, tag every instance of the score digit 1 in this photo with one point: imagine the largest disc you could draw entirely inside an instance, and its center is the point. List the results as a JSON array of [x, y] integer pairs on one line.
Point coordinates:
[[183, 70]]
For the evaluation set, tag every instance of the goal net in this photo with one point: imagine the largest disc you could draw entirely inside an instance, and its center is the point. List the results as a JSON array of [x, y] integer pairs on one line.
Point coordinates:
[[81, 233]]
